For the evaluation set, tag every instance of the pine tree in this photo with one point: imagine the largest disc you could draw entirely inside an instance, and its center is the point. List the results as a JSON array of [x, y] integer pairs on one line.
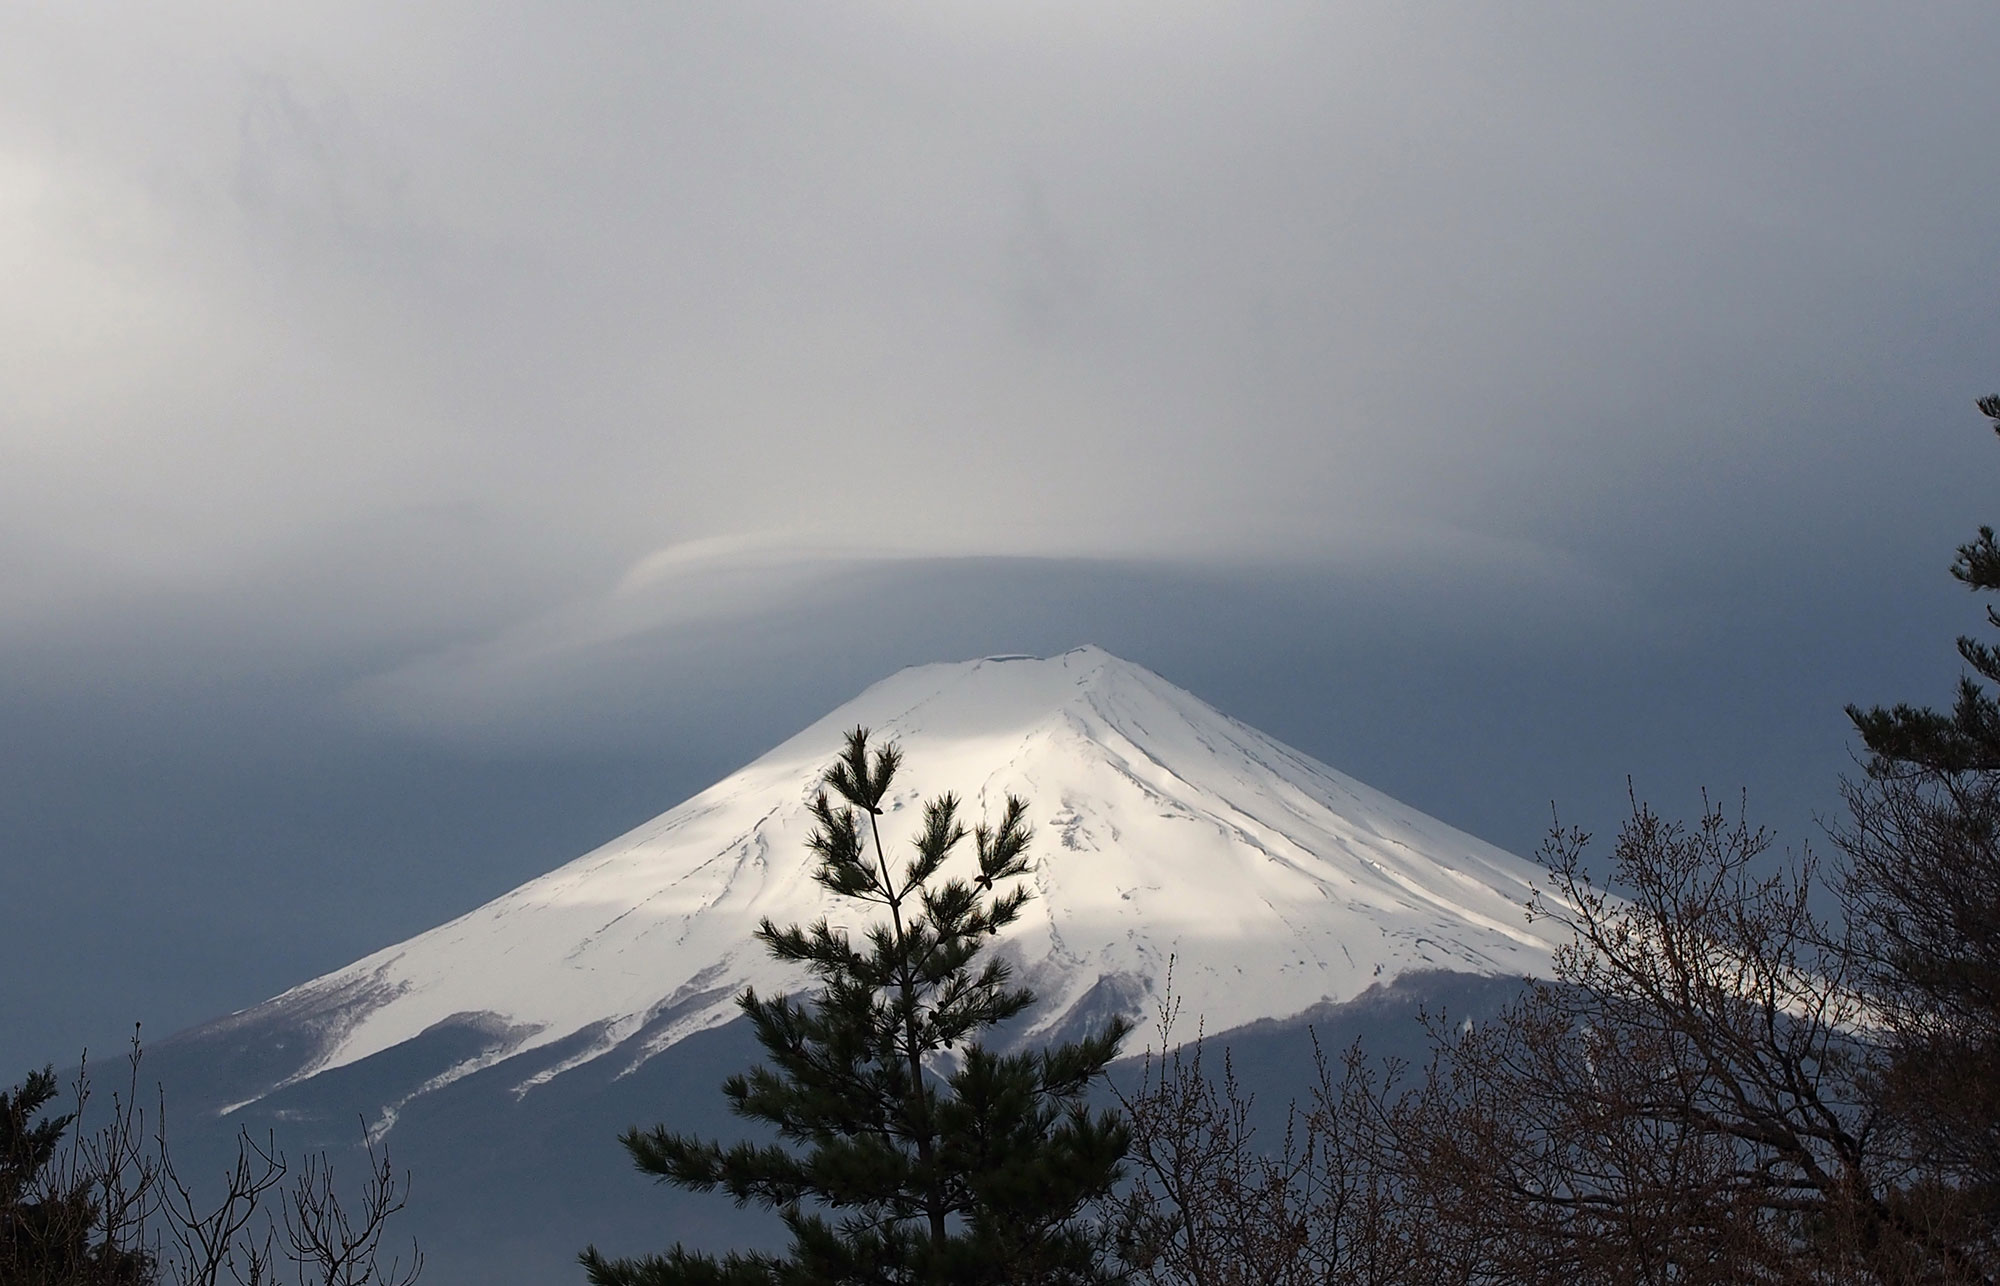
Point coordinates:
[[55, 1229], [908, 1152], [1909, 738], [1922, 898]]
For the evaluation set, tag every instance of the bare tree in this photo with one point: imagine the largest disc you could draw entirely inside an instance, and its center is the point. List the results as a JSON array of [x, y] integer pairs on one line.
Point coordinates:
[[1696, 1098], [330, 1247], [76, 1197], [211, 1240], [1690, 1096], [1922, 901], [103, 1204], [1210, 1205]]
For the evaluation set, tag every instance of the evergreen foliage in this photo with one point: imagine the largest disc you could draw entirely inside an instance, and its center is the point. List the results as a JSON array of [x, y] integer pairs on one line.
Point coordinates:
[[1719, 1086], [1922, 899], [908, 1152], [52, 1223], [105, 1205], [1914, 739]]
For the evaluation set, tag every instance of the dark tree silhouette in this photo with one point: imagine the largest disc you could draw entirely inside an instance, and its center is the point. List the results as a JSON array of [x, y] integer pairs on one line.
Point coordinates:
[[1717, 1087], [1922, 899], [908, 1151], [84, 1203]]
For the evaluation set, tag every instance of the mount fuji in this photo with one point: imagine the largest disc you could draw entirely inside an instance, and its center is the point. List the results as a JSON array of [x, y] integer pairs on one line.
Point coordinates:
[[519, 1038]]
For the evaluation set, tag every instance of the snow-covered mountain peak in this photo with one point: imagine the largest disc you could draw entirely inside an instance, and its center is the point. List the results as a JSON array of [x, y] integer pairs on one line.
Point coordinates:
[[1163, 829], [995, 697]]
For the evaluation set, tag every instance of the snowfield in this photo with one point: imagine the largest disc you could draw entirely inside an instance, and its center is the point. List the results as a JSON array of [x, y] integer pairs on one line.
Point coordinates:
[[1162, 829]]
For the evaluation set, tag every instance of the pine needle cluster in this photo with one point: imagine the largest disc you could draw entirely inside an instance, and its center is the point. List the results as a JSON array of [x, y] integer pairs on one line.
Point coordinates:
[[908, 1151]]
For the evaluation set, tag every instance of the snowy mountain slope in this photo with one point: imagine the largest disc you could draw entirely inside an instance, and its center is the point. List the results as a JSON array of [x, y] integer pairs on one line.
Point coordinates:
[[1163, 828]]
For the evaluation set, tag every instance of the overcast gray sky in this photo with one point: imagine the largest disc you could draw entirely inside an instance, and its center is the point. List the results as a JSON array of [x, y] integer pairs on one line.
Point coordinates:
[[434, 436]]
